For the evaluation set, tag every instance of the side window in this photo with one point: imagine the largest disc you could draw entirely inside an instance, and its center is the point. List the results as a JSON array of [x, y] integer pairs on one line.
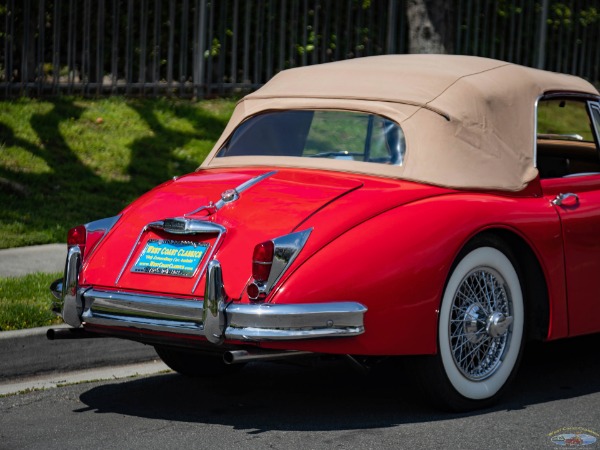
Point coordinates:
[[566, 138]]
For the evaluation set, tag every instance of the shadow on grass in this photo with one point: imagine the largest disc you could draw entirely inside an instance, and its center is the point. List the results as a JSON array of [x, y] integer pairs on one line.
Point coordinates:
[[41, 207], [152, 157]]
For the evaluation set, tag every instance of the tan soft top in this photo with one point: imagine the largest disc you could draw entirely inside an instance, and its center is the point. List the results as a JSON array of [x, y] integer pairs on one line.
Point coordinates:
[[469, 122]]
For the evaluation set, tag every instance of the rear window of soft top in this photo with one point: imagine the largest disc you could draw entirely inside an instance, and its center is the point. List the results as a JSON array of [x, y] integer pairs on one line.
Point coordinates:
[[342, 135]]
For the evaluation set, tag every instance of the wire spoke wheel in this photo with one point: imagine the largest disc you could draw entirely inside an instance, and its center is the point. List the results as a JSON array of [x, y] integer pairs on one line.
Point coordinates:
[[480, 325]]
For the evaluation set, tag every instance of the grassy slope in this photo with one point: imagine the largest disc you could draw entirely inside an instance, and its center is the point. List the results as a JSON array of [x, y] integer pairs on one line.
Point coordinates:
[[69, 161], [25, 302]]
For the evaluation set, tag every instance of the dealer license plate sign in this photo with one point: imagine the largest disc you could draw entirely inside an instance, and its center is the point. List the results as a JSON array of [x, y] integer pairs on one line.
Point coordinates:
[[165, 257]]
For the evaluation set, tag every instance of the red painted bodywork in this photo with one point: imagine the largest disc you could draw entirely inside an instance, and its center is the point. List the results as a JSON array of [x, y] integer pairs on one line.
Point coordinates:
[[387, 244]]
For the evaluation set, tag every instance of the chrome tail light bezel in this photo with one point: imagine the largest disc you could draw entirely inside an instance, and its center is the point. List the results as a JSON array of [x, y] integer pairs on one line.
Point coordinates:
[[286, 249], [66, 291], [98, 227]]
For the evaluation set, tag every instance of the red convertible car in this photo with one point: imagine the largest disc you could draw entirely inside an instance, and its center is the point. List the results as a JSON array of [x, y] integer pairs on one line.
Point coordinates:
[[445, 207]]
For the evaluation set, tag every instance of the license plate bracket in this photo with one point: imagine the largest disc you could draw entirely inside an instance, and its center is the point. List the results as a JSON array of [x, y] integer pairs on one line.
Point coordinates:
[[170, 257]]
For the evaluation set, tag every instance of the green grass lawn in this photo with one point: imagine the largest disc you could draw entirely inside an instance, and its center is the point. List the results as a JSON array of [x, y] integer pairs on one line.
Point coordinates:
[[69, 161], [26, 302]]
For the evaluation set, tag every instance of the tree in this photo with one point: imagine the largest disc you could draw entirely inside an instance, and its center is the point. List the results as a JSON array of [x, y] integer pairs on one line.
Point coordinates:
[[430, 26]]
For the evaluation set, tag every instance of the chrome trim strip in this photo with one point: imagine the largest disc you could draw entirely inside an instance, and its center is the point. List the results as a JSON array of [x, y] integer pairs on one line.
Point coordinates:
[[137, 242], [214, 207], [561, 137], [102, 224], [210, 208], [579, 95], [247, 185], [261, 334], [535, 129], [595, 106]]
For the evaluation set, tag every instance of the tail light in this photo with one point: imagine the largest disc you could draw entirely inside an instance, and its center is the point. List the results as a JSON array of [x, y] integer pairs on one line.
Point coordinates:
[[270, 260], [77, 236], [262, 260], [87, 237]]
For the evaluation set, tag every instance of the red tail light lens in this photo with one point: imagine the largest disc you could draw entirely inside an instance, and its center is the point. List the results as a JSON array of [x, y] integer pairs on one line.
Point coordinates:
[[262, 259], [76, 236]]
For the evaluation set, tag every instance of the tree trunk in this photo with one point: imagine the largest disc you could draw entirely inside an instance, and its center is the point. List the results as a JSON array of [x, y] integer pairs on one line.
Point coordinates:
[[430, 26]]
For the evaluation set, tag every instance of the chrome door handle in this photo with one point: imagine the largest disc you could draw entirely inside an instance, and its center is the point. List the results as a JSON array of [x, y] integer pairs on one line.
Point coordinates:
[[568, 199]]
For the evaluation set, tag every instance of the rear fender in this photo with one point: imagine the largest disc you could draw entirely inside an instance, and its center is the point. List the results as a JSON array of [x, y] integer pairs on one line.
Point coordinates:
[[397, 264]]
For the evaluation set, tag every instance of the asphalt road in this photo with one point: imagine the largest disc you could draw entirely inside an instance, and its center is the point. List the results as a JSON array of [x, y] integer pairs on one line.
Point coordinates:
[[25, 353], [269, 405]]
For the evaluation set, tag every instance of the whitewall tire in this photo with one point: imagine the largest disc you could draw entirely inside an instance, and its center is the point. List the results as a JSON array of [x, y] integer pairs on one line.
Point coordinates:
[[480, 329]]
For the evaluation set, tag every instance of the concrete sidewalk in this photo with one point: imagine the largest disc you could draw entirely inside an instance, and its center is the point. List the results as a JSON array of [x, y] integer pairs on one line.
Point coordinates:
[[16, 262], [26, 353]]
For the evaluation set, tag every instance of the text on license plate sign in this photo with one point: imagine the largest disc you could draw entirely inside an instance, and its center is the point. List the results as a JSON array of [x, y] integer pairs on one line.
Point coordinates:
[[165, 257]]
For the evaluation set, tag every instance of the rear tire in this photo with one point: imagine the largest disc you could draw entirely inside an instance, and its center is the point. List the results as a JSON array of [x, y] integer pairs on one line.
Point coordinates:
[[193, 364], [480, 330]]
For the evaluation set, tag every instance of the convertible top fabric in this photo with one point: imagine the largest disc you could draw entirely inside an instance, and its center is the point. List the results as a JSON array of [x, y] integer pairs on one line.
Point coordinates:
[[469, 122]]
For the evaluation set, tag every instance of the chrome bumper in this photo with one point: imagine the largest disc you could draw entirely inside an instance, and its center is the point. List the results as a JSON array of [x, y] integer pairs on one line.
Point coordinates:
[[214, 319], [66, 291]]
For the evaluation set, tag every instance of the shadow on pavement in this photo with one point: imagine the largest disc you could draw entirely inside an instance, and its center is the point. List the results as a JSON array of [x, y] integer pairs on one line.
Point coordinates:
[[331, 396]]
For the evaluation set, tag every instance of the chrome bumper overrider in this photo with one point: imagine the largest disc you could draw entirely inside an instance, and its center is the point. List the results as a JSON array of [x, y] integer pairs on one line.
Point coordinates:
[[214, 318]]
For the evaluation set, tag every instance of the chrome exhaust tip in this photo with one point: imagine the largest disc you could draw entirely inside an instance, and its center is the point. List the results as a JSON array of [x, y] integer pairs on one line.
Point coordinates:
[[54, 334], [243, 356]]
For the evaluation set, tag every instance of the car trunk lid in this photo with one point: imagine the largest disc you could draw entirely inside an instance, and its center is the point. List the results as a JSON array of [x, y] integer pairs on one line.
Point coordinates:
[[150, 250]]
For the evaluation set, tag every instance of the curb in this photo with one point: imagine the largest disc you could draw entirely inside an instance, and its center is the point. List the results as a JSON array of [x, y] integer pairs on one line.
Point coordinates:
[[27, 353]]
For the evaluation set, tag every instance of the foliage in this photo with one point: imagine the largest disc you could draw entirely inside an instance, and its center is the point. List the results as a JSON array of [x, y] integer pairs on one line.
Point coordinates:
[[26, 303], [68, 161], [141, 42], [201, 48], [561, 14], [564, 117]]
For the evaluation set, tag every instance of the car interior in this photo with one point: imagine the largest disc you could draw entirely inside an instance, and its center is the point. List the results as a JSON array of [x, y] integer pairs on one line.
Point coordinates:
[[567, 137]]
